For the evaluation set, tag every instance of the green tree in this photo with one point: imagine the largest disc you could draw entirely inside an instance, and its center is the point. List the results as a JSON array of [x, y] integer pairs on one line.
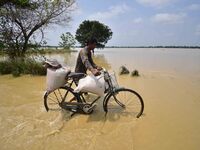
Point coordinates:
[[21, 3], [88, 29], [19, 25], [68, 40]]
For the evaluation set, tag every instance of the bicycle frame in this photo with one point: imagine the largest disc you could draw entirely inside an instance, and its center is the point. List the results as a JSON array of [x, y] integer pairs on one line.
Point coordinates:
[[110, 91], [80, 105]]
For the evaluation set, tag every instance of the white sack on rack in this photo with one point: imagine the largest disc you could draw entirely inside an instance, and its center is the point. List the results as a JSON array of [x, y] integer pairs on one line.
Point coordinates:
[[56, 78]]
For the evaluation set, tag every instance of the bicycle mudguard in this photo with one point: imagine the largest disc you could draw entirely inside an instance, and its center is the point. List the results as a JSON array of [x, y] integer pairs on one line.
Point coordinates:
[[119, 88], [45, 105]]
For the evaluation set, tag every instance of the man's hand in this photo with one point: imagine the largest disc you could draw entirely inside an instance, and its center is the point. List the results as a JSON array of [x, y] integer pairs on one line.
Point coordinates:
[[95, 72], [99, 68]]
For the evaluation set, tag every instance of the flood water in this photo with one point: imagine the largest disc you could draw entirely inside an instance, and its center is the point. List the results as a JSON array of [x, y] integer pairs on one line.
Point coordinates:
[[169, 83]]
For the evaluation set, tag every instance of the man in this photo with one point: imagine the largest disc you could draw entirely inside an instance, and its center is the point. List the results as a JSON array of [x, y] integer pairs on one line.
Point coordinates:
[[85, 61]]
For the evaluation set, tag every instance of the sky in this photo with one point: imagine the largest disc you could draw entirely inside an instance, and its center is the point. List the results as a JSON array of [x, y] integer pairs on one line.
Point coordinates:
[[138, 22]]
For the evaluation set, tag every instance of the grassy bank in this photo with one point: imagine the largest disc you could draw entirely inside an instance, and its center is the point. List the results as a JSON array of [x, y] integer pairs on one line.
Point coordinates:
[[22, 66], [44, 51]]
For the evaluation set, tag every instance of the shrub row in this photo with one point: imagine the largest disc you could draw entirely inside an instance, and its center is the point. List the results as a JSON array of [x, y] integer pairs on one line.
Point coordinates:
[[22, 66]]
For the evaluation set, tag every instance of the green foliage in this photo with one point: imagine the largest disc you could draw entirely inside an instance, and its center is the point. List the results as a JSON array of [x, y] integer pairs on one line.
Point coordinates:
[[5, 67], [68, 40], [88, 29], [1, 45], [1, 48], [20, 21], [19, 3], [16, 72], [22, 66]]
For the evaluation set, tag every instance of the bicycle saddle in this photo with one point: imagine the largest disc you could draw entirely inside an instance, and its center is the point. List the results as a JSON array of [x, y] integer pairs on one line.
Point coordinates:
[[75, 75]]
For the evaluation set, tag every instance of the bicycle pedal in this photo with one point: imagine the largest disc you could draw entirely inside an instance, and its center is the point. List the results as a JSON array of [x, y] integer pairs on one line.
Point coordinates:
[[94, 106], [74, 110], [87, 108], [73, 113]]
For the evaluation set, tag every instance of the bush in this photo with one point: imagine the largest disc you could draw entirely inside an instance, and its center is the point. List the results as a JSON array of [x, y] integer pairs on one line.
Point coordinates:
[[22, 66], [16, 72], [5, 67]]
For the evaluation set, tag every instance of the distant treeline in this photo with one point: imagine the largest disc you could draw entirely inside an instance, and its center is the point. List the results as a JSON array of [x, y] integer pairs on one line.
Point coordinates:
[[58, 47], [189, 47]]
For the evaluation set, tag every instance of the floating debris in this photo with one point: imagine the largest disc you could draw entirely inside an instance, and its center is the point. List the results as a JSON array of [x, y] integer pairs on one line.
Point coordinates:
[[123, 70], [135, 73]]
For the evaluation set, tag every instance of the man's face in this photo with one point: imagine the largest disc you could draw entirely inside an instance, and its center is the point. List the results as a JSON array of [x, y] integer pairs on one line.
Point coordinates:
[[93, 46]]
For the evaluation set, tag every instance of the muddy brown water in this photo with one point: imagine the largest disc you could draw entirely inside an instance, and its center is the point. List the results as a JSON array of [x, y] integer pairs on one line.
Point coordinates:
[[169, 83]]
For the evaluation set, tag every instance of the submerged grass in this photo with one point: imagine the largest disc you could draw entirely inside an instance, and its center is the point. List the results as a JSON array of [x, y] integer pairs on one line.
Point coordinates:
[[20, 66], [49, 51]]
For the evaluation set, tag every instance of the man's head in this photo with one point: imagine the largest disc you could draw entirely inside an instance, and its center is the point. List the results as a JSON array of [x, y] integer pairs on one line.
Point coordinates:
[[91, 43]]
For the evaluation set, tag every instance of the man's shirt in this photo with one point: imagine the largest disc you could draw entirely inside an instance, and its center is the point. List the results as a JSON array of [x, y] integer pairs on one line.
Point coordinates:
[[84, 61]]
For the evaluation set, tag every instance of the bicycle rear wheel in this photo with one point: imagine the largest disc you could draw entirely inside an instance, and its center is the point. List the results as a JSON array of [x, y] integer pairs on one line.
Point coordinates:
[[125, 101], [53, 100]]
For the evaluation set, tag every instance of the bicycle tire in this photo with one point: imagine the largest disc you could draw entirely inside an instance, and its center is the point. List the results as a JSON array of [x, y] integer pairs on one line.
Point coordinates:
[[53, 100], [111, 105]]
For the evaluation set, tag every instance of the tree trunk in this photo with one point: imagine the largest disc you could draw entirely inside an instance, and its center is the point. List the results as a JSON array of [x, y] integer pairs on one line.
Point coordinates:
[[25, 46]]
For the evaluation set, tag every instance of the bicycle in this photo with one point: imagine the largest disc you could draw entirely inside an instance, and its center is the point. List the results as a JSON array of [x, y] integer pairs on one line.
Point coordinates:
[[117, 99]]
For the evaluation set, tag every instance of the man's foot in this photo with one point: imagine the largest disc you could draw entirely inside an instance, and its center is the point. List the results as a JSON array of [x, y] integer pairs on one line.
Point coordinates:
[[86, 93]]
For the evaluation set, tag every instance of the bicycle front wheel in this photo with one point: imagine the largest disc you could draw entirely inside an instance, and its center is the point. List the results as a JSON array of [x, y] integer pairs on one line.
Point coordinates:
[[125, 101]]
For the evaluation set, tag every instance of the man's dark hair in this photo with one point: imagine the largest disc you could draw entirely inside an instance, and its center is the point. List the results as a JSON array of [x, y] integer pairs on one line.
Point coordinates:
[[91, 41]]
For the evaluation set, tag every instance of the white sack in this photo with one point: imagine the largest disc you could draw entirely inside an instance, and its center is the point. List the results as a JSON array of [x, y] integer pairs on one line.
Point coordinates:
[[91, 84], [56, 78]]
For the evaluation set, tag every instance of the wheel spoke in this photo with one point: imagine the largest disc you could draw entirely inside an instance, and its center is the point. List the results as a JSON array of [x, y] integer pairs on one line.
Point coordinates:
[[56, 97], [50, 98], [60, 94]]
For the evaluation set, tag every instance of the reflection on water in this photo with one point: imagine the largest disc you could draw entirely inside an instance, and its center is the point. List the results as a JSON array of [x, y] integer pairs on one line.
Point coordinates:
[[168, 61], [179, 61], [69, 59], [101, 60]]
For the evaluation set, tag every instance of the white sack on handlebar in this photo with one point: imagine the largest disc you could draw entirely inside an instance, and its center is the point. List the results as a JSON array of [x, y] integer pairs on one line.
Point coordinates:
[[92, 84]]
